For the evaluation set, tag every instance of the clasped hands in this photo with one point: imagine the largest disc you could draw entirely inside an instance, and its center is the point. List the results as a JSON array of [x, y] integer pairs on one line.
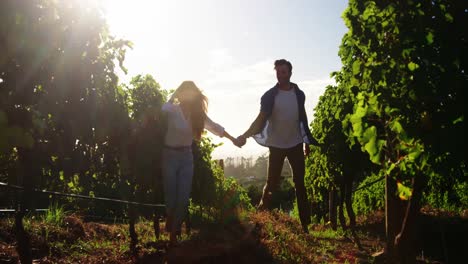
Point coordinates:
[[239, 141]]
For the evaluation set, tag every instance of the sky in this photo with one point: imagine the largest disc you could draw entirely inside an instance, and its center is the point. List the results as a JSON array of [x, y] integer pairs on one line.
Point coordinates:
[[228, 49]]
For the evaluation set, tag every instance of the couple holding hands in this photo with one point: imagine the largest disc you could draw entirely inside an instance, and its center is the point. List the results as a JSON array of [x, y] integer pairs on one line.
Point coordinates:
[[281, 126]]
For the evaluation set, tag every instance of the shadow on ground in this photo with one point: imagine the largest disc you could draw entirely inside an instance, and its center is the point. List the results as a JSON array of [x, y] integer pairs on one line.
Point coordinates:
[[236, 243]]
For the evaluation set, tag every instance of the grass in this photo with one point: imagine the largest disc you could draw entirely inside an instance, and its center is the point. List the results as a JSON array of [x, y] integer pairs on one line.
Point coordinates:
[[271, 237], [285, 241], [262, 237], [55, 214], [327, 233]]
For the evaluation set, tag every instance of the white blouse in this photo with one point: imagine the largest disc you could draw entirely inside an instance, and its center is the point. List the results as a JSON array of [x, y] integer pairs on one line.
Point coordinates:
[[179, 130]]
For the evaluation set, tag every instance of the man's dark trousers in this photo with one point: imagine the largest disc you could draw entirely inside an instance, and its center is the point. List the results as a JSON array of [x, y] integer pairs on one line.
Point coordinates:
[[295, 157]]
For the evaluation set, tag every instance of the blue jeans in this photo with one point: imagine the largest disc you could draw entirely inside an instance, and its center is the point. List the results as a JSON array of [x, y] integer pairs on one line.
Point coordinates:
[[177, 172]]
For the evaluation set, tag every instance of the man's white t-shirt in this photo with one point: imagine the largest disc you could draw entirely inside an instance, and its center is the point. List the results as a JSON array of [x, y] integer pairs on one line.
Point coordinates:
[[284, 127]]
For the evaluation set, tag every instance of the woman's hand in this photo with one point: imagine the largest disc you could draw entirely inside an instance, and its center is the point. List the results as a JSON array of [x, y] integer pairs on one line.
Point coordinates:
[[234, 141]]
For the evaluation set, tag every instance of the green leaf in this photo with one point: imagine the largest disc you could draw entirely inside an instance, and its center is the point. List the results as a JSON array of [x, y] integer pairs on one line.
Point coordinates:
[[396, 127], [375, 158], [430, 38], [407, 52], [354, 82], [367, 13], [356, 67], [423, 161], [371, 147], [413, 66], [390, 169], [448, 17], [403, 191], [361, 112], [458, 120], [391, 111], [414, 155], [357, 129], [370, 134], [381, 143]]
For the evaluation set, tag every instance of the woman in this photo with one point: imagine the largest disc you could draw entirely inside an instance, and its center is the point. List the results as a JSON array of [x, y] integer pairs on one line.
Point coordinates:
[[187, 118]]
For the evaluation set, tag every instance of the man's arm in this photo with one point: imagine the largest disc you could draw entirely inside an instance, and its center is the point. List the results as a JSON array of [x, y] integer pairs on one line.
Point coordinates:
[[255, 128]]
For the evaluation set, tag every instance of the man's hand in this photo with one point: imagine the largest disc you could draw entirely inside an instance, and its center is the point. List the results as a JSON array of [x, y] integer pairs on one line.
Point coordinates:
[[237, 143], [241, 140]]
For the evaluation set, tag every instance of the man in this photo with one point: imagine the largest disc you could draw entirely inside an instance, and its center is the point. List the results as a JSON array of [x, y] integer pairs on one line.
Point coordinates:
[[282, 126]]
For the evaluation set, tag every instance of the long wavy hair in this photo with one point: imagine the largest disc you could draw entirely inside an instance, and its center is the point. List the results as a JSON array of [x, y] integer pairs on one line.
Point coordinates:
[[195, 103]]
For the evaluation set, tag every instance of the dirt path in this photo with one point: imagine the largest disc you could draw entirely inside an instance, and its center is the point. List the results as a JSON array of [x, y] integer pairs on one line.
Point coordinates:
[[265, 238]]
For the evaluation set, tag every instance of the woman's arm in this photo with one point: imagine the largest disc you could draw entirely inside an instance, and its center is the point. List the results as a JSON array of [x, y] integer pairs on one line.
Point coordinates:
[[214, 128], [227, 135], [218, 130]]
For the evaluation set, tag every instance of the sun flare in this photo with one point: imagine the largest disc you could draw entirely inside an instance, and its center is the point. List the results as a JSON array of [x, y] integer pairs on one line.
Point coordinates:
[[130, 18]]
